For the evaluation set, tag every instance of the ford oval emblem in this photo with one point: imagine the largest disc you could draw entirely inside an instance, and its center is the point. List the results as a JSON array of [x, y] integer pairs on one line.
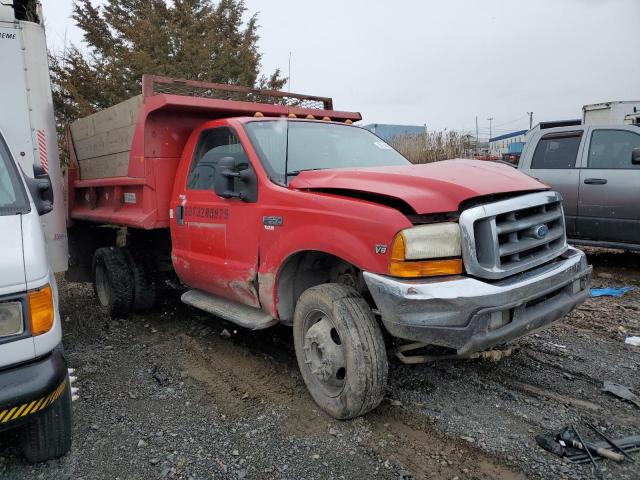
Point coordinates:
[[541, 231]]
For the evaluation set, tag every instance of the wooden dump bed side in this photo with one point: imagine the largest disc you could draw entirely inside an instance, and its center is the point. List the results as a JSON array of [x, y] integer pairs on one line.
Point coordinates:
[[102, 141], [123, 159]]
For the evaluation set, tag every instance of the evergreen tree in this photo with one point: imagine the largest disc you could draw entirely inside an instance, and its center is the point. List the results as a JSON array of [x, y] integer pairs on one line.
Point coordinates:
[[190, 39]]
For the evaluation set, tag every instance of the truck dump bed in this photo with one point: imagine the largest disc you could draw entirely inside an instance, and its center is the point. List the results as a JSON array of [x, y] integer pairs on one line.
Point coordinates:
[[123, 159]]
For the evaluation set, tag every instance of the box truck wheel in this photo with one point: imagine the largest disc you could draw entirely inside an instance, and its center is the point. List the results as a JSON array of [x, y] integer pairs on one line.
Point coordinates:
[[48, 435], [144, 284], [113, 280], [340, 350]]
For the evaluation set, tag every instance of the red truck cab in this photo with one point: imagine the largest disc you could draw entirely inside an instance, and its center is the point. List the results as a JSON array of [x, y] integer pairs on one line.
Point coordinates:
[[277, 213]]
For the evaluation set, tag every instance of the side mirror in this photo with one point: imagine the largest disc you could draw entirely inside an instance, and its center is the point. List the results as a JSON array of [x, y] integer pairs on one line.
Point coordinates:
[[41, 190], [224, 181], [635, 156]]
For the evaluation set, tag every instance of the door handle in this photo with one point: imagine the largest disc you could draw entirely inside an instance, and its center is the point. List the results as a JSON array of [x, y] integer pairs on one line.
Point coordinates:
[[595, 181], [179, 215]]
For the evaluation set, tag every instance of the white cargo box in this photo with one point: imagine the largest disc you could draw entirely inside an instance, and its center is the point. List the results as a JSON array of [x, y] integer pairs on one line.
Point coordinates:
[[27, 118], [608, 113]]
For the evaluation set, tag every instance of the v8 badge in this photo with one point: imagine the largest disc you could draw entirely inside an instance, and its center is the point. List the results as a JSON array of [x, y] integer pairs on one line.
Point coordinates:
[[381, 249]]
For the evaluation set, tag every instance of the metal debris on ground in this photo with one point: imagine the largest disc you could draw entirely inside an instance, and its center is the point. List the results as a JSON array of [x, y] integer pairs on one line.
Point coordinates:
[[630, 444], [596, 468], [613, 443], [621, 391], [570, 445], [570, 437]]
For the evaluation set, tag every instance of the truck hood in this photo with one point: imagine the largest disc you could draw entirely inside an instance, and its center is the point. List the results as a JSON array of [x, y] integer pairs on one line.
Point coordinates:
[[430, 188], [12, 276]]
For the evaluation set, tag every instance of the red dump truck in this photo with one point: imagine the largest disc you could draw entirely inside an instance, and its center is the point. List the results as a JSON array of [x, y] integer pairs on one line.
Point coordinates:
[[271, 208]]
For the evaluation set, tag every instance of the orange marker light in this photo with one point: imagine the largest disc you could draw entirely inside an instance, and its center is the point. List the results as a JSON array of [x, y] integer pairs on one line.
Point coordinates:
[[426, 268], [258, 114], [326, 119], [310, 117], [292, 115], [41, 310], [348, 122]]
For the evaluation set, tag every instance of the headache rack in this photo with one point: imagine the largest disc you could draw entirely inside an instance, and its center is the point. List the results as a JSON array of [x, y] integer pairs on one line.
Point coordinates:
[[156, 85]]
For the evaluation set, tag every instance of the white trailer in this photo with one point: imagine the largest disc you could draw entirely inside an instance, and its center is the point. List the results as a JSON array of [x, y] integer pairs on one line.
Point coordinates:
[[609, 113], [27, 112]]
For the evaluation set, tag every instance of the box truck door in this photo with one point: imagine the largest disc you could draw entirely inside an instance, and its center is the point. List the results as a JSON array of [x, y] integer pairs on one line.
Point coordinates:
[[222, 234]]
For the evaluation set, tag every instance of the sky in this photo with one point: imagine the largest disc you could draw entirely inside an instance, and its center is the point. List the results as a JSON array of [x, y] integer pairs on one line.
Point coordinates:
[[443, 62]]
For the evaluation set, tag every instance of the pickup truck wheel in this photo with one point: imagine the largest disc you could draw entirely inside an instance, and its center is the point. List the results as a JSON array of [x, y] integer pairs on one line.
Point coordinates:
[[113, 280], [48, 436], [144, 285], [340, 350]]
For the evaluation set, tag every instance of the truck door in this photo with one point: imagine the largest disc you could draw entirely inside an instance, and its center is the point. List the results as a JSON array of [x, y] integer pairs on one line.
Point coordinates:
[[555, 162], [222, 234], [610, 187]]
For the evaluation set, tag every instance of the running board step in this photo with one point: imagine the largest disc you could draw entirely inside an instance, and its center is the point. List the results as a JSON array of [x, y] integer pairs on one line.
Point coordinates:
[[242, 315]]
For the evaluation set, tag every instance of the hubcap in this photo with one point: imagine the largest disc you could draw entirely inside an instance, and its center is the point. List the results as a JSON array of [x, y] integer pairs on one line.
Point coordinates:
[[324, 354]]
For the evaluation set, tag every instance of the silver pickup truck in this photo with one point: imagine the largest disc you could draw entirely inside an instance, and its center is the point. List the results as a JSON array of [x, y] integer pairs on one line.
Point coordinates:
[[597, 171]]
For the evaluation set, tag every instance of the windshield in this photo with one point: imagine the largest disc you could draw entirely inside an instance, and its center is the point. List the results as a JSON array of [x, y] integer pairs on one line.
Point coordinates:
[[315, 145], [12, 195]]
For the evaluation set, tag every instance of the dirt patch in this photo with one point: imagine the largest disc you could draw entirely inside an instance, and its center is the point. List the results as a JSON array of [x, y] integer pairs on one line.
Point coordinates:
[[178, 394]]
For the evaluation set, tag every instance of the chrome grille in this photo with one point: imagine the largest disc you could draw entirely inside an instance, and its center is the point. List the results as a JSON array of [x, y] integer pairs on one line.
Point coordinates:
[[511, 236]]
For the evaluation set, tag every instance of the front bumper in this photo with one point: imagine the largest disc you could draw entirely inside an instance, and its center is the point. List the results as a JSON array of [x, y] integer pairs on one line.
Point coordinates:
[[472, 315], [30, 388]]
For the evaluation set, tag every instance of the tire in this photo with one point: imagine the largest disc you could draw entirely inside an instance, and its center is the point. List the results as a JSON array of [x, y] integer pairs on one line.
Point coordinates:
[[48, 436], [144, 285], [113, 280], [340, 350]]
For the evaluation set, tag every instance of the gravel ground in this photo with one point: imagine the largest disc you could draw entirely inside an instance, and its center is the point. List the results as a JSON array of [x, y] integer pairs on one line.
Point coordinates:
[[177, 394]]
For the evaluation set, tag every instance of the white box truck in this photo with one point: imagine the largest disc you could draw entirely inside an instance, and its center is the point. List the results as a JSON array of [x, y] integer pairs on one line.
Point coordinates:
[[35, 385], [608, 113]]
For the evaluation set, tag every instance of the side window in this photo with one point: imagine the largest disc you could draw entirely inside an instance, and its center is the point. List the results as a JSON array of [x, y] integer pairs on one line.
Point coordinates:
[[212, 146], [557, 151], [611, 149]]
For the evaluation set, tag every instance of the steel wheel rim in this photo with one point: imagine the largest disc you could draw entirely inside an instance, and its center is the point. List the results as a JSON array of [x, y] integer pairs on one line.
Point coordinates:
[[101, 285], [324, 353]]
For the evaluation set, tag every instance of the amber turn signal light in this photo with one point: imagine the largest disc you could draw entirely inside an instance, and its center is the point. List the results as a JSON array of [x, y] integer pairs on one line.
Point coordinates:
[[425, 268], [41, 310]]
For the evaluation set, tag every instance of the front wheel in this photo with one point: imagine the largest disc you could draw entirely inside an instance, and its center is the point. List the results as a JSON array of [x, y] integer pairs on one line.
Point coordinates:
[[48, 436], [340, 350]]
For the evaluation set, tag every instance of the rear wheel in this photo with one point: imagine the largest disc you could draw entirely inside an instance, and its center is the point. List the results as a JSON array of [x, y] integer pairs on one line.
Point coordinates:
[[340, 350], [48, 436], [144, 284], [113, 280]]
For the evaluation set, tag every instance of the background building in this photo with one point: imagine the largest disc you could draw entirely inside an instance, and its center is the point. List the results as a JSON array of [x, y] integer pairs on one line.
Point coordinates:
[[507, 144]]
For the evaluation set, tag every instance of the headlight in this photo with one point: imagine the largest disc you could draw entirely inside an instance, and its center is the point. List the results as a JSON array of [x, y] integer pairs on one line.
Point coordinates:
[[11, 319], [427, 250]]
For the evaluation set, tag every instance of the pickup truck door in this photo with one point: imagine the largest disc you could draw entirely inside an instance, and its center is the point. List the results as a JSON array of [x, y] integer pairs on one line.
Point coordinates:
[[555, 163], [609, 205], [220, 251]]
